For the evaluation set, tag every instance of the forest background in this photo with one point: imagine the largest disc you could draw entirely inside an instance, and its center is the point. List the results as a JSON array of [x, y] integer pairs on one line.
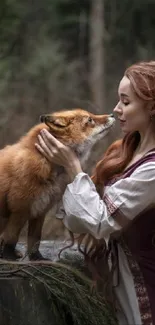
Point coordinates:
[[60, 54]]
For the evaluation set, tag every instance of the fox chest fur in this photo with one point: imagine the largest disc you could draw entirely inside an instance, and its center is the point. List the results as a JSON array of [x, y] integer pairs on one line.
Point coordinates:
[[50, 195]]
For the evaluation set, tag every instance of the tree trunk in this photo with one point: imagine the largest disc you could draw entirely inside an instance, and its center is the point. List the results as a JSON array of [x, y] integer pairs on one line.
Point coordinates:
[[97, 55]]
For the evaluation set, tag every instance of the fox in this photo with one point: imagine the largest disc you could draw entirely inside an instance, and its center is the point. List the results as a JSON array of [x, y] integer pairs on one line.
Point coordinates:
[[30, 185]]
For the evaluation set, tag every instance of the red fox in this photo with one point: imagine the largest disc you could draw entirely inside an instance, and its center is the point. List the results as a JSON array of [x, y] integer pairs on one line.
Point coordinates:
[[30, 186]]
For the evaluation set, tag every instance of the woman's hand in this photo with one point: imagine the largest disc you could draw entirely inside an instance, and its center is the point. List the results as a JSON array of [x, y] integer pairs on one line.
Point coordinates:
[[56, 152]]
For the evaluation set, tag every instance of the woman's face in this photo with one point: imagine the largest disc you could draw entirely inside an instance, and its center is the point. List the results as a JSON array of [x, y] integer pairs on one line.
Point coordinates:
[[131, 110]]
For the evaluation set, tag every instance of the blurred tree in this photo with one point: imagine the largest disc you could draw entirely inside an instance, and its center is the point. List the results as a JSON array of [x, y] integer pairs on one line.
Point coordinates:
[[35, 74], [96, 53]]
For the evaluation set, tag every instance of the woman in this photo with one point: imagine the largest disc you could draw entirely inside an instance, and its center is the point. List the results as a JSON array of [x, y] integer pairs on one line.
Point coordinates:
[[124, 196]]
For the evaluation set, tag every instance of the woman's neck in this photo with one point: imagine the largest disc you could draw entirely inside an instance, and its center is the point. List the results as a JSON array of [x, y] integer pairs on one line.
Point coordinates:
[[147, 142]]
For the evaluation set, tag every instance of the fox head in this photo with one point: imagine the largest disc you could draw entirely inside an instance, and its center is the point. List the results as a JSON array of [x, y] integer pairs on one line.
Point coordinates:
[[78, 128]]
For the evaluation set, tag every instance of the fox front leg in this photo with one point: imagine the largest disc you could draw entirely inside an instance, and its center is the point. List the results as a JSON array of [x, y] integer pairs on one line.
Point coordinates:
[[34, 238], [2, 245], [9, 237]]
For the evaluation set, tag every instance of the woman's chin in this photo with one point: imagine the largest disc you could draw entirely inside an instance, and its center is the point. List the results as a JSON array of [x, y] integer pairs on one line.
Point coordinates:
[[124, 129], [124, 132]]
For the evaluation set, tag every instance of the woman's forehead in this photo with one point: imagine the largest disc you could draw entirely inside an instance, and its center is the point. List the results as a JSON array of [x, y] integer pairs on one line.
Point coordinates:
[[125, 87]]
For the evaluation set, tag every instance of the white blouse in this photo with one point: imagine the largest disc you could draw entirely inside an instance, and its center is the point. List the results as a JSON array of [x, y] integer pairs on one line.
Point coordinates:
[[85, 212]]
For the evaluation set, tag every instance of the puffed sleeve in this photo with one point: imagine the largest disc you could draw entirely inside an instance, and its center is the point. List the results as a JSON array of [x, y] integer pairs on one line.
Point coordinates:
[[86, 212]]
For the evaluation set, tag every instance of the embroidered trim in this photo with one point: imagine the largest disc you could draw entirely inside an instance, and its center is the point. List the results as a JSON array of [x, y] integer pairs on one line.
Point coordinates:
[[115, 212], [111, 207], [141, 290]]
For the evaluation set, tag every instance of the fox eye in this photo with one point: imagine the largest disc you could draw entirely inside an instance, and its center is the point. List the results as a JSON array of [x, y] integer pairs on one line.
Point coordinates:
[[90, 120]]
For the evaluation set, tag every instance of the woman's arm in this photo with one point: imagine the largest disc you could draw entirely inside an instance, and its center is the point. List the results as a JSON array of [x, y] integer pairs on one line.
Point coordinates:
[[85, 211], [124, 200]]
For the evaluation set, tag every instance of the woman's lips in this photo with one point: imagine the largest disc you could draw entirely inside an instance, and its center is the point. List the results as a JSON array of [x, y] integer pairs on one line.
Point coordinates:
[[121, 121]]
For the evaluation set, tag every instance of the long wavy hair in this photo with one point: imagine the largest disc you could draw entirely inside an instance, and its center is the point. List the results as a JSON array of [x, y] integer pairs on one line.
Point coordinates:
[[115, 160]]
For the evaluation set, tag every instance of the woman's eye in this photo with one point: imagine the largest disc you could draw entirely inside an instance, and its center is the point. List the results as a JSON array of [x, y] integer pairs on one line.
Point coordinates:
[[126, 103]]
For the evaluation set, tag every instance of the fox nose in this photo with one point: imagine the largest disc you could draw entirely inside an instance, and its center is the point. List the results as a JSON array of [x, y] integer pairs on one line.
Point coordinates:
[[111, 115], [42, 118]]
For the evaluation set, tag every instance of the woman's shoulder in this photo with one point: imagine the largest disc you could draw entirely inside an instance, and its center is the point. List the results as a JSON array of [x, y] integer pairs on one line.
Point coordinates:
[[144, 168], [145, 163]]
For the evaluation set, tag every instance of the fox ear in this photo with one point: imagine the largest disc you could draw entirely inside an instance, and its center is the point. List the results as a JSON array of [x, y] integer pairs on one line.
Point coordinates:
[[59, 121]]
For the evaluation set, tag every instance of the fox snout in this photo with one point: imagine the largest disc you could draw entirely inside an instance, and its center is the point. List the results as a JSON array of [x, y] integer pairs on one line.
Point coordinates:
[[46, 118], [43, 118]]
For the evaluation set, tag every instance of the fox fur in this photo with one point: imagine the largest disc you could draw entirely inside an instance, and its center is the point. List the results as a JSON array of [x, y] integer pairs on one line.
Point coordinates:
[[30, 185]]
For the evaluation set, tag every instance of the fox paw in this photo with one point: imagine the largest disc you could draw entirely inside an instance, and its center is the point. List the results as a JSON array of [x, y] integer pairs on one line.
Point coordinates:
[[11, 253], [37, 256]]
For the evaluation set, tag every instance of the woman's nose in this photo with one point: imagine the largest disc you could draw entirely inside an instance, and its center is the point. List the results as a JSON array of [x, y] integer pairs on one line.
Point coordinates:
[[117, 108]]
